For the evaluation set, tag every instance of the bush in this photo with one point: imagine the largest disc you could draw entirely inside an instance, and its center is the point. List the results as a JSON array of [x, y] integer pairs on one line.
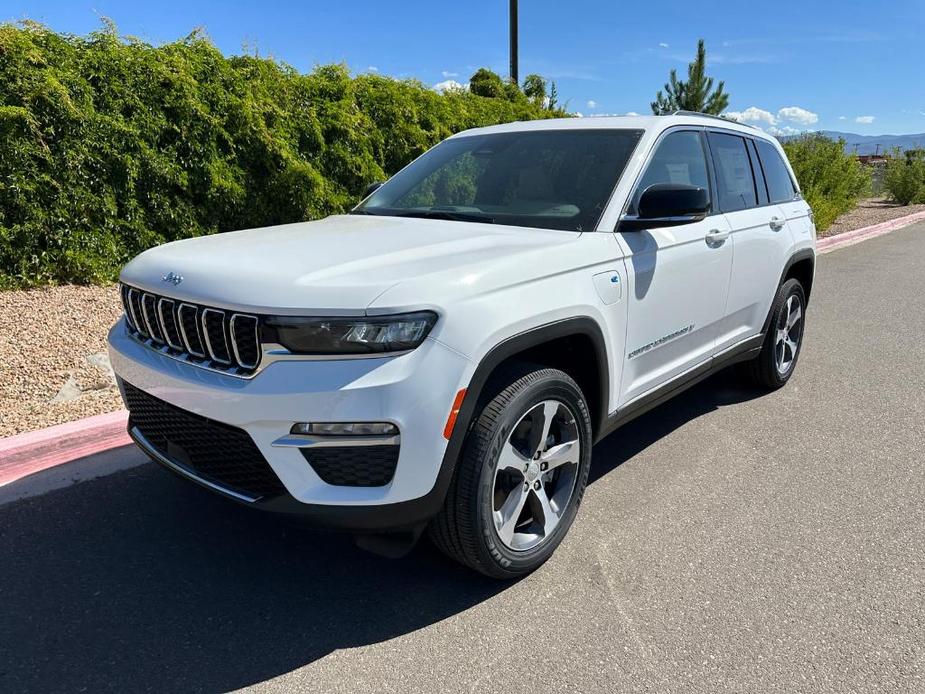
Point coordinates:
[[905, 177], [831, 181], [109, 146], [484, 82]]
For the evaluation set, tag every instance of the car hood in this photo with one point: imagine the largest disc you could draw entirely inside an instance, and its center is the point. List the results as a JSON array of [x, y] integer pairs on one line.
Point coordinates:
[[338, 265]]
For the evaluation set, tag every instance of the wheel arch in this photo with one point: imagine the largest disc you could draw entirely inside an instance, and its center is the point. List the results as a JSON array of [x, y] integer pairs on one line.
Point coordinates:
[[574, 345], [800, 266]]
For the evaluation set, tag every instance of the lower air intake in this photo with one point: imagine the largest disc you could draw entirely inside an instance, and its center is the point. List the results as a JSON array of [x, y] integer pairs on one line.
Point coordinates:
[[354, 466], [218, 453]]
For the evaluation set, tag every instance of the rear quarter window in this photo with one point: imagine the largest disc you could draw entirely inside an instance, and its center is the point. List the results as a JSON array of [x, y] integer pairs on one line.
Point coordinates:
[[780, 185]]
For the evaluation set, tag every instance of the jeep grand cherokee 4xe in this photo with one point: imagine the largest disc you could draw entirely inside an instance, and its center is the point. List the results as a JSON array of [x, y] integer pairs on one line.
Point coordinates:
[[443, 357]]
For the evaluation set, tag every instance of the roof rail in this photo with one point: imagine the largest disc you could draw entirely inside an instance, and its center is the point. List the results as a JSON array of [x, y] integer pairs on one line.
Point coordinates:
[[710, 115]]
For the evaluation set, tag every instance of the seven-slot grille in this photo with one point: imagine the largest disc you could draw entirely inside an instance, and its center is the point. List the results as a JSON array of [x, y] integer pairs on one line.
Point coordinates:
[[202, 335]]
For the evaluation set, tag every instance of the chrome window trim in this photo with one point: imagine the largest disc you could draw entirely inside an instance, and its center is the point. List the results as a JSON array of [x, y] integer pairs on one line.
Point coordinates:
[[160, 315], [234, 341], [208, 342], [183, 335], [144, 311]]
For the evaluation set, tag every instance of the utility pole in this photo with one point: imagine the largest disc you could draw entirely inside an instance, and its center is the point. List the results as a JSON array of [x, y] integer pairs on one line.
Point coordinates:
[[514, 77]]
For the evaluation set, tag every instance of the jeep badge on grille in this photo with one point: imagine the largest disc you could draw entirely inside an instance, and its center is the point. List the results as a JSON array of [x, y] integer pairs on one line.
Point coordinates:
[[173, 278]]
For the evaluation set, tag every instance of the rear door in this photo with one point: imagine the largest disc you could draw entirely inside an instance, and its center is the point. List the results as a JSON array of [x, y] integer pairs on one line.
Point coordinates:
[[783, 191], [677, 276], [760, 236]]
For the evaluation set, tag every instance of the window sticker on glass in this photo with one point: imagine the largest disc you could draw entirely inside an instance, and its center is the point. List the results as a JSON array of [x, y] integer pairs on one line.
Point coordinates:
[[679, 173]]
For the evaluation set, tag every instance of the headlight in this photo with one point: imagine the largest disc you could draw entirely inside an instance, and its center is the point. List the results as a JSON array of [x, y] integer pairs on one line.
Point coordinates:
[[380, 334]]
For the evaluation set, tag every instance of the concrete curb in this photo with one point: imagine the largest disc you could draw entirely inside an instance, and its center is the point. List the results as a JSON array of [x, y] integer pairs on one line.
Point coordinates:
[[849, 238], [27, 454]]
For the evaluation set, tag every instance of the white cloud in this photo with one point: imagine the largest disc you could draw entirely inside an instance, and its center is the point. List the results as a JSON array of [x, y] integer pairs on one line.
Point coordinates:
[[784, 130], [752, 114], [372, 68], [663, 45], [776, 124], [630, 113], [447, 73], [842, 118], [865, 120], [450, 86], [799, 115], [592, 104]]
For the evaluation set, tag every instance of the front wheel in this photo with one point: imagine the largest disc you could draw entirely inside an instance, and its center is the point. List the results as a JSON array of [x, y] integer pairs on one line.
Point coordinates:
[[523, 471], [776, 362]]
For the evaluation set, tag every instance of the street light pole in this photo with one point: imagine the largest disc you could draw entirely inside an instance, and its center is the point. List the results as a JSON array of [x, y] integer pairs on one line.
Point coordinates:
[[514, 77]]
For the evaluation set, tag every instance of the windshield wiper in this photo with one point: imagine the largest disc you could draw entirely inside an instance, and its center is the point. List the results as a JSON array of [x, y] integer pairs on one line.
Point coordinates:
[[447, 214]]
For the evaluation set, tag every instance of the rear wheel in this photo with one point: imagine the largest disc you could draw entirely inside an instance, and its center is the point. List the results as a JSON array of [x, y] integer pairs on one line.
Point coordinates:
[[517, 488], [776, 362]]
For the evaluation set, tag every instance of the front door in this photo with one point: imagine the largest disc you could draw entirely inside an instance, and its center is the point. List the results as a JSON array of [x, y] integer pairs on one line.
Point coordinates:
[[678, 276]]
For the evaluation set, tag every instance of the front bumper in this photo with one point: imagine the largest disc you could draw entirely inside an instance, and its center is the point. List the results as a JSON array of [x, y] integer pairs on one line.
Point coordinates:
[[412, 391]]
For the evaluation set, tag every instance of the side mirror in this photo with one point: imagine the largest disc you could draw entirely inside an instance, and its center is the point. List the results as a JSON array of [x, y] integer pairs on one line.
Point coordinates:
[[371, 188], [667, 205]]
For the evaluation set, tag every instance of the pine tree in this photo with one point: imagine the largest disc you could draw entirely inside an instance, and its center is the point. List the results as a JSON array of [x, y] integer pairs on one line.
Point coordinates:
[[696, 94]]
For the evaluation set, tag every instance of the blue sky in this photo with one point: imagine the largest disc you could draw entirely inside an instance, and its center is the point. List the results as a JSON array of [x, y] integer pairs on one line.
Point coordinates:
[[851, 66]]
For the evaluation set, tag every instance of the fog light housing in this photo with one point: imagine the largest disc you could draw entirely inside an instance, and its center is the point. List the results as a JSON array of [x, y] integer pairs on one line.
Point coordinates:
[[344, 428]]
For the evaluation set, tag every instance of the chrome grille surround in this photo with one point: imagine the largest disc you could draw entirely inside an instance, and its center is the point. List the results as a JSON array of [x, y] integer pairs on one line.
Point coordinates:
[[158, 322], [219, 351], [242, 333], [198, 350]]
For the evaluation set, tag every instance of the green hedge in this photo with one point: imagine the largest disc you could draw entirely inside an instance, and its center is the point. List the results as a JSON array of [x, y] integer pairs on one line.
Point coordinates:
[[832, 181], [110, 145]]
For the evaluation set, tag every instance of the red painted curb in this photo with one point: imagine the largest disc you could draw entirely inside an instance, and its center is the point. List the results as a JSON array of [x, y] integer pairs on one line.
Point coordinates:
[[849, 238], [25, 454]]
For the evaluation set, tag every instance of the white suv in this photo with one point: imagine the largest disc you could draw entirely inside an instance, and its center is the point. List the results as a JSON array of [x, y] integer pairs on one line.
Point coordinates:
[[444, 356]]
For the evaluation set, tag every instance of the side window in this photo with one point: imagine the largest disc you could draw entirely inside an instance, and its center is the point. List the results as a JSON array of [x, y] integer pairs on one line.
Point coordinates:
[[760, 183], [780, 186], [679, 158], [735, 184]]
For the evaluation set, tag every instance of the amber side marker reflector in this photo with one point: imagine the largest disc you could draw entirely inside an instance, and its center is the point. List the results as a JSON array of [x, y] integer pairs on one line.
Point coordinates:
[[454, 413]]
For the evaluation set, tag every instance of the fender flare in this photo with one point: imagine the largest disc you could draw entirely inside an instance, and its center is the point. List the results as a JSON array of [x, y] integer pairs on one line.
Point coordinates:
[[533, 337], [796, 257]]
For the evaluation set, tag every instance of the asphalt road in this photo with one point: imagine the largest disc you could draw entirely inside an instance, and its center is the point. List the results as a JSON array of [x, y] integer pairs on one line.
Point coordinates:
[[729, 541]]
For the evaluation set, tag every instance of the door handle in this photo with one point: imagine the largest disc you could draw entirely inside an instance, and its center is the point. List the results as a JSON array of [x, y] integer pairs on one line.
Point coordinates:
[[776, 224], [716, 237]]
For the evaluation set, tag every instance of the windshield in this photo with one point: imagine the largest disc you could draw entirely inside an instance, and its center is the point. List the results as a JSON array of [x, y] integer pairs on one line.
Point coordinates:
[[551, 179]]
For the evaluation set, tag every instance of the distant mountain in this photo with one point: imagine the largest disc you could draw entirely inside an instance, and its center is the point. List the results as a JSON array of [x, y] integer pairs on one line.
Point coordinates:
[[867, 144]]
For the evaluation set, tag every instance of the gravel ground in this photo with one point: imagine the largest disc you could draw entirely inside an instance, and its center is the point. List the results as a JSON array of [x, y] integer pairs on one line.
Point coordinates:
[[52, 363], [870, 212]]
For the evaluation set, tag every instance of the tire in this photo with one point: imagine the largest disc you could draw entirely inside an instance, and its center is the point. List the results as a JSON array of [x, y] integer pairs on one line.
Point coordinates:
[[770, 369], [478, 525]]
